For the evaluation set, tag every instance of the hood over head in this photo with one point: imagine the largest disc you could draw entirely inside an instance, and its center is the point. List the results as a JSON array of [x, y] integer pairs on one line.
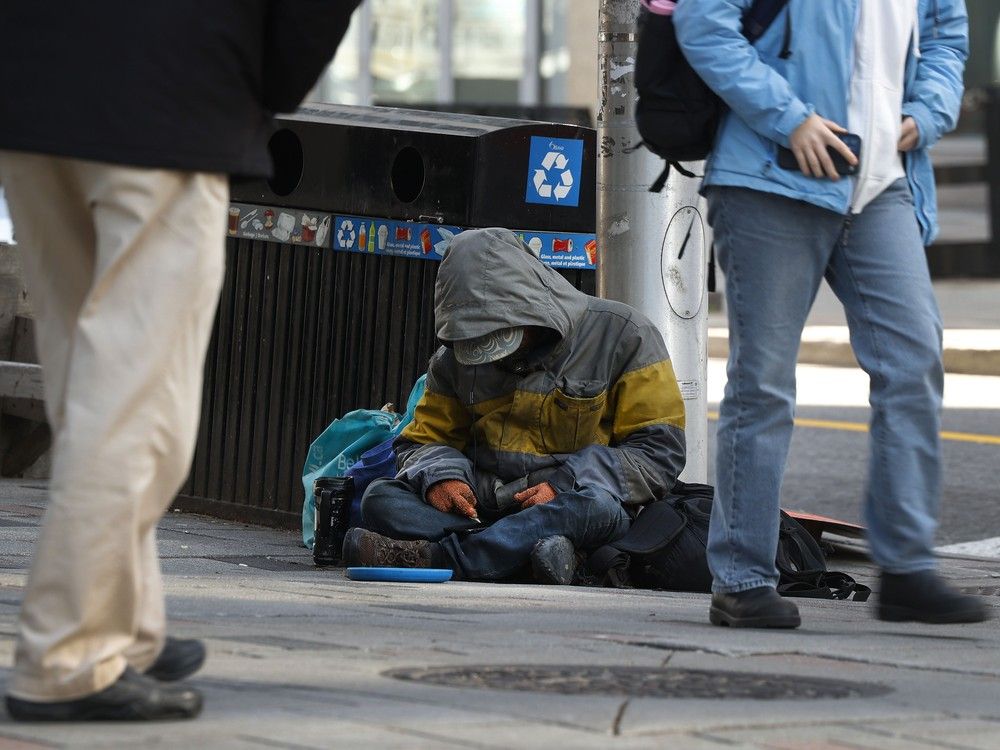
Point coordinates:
[[490, 280]]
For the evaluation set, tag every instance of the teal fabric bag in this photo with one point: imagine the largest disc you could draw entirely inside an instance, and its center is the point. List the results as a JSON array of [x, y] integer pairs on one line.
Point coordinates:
[[341, 444]]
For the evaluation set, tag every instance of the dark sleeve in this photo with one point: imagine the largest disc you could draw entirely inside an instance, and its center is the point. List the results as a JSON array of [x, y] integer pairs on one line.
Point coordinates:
[[431, 447], [300, 39]]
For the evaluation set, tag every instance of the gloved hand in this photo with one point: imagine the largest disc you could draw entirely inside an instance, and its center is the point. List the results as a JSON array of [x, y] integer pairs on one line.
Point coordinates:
[[453, 496], [537, 495]]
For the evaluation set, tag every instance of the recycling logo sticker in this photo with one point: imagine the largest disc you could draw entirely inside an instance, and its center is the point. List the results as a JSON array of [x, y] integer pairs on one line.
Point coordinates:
[[554, 167], [346, 234]]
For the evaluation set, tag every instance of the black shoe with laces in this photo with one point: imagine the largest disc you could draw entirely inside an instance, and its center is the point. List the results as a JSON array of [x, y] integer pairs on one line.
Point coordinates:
[[553, 561], [755, 608], [924, 596], [368, 549], [180, 658], [134, 697]]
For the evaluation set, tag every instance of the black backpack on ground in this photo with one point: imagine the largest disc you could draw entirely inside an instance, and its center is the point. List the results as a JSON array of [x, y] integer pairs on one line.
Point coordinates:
[[665, 549], [678, 114]]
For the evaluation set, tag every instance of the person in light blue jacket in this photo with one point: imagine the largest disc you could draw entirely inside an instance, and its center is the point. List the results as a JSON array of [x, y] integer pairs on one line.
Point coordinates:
[[889, 71]]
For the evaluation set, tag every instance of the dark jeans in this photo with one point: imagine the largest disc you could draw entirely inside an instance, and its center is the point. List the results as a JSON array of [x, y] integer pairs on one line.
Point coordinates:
[[502, 546]]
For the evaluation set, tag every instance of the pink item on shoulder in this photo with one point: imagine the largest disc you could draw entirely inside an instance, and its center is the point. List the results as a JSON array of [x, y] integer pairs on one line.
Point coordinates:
[[660, 7]]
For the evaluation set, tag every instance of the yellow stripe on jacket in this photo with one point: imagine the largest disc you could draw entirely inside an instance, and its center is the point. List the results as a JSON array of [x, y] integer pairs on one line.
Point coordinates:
[[439, 420], [647, 396], [544, 424]]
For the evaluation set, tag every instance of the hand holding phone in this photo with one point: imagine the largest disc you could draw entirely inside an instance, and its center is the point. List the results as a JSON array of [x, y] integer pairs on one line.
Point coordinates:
[[822, 148]]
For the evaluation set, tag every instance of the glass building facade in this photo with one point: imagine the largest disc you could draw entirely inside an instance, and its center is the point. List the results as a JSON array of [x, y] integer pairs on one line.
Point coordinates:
[[517, 52], [488, 52]]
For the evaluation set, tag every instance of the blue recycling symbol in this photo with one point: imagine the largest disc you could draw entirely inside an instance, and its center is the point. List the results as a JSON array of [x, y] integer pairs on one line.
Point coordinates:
[[554, 171]]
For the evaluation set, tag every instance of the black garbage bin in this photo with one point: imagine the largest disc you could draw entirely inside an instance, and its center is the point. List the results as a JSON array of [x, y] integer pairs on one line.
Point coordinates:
[[327, 304]]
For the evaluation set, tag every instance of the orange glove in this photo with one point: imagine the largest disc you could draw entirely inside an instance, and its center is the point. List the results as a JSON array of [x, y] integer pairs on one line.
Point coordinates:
[[453, 496], [537, 495]]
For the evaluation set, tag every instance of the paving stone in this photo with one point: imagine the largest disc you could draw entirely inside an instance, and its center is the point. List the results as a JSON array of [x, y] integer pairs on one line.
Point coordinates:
[[301, 657]]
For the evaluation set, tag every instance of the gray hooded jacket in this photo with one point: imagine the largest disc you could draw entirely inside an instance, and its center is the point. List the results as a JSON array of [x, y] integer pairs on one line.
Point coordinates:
[[598, 408]]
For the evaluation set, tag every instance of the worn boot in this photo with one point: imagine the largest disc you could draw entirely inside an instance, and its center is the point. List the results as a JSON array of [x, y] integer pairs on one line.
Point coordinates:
[[755, 608], [371, 550], [134, 697], [924, 596], [553, 561], [180, 658]]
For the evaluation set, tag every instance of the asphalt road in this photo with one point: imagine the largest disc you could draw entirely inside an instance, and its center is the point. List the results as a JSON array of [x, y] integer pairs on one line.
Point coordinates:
[[827, 465]]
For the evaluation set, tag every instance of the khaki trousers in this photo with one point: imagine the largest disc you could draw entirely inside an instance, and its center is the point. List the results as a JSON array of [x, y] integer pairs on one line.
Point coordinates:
[[123, 267]]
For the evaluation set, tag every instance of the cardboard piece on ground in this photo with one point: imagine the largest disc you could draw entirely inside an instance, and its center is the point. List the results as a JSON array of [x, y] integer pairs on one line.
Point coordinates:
[[816, 525]]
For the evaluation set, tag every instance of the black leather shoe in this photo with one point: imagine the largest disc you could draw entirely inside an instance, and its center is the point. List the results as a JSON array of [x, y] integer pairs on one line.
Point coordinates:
[[179, 658], [756, 608], [924, 596], [368, 549], [553, 561], [134, 697]]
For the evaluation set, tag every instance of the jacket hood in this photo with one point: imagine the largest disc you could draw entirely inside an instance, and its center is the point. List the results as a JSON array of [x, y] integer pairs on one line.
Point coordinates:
[[489, 279]]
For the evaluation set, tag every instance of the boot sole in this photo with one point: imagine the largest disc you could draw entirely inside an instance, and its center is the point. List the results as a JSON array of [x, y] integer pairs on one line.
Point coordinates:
[[893, 613], [29, 711], [718, 617]]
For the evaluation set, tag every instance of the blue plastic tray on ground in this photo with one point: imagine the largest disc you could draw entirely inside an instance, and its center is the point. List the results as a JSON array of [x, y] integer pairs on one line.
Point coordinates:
[[400, 575]]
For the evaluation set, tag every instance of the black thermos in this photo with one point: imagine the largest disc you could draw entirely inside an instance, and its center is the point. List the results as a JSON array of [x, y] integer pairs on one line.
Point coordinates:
[[332, 497]]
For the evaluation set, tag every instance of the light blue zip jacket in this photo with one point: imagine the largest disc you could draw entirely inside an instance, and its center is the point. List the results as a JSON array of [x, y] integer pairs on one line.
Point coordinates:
[[769, 97]]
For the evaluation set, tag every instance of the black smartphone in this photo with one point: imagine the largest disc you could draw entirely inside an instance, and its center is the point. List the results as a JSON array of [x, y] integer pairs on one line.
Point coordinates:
[[787, 160]]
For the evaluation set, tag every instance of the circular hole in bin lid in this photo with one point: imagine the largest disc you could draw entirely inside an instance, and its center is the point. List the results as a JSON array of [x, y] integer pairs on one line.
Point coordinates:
[[408, 174], [286, 153]]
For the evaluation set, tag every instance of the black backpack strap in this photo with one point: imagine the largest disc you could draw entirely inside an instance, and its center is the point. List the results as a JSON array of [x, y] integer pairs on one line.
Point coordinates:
[[660, 181], [760, 17], [711, 267], [844, 587], [808, 587], [786, 44], [798, 551], [827, 585]]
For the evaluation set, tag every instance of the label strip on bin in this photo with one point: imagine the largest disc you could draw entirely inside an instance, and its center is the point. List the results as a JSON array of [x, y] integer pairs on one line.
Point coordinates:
[[377, 236]]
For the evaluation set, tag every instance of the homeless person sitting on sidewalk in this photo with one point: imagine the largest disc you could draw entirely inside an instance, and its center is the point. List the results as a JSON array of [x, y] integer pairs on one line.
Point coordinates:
[[549, 417]]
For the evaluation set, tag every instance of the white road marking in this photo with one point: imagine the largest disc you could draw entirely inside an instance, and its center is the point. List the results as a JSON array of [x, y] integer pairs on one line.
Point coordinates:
[[818, 385], [981, 548]]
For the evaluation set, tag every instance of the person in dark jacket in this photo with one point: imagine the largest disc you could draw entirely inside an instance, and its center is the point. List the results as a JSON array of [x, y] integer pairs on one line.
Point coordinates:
[[119, 121], [549, 418]]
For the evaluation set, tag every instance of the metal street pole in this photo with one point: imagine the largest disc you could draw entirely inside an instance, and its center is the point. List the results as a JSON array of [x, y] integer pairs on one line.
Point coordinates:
[[653, 245]]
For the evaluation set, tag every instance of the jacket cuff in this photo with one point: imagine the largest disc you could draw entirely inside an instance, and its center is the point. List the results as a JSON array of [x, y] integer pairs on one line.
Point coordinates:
[[790, 120], [921, 114]]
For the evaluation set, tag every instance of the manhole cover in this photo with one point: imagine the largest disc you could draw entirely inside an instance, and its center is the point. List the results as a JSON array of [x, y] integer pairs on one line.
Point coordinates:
[[640, 682]]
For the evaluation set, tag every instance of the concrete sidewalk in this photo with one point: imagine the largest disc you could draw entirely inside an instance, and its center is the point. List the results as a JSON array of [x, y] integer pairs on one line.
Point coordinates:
[[303, 658], [970, 311]]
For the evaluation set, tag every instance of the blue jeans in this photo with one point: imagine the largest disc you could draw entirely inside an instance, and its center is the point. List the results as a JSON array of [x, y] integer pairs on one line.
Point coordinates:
[[774, 252], [589, 518]]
